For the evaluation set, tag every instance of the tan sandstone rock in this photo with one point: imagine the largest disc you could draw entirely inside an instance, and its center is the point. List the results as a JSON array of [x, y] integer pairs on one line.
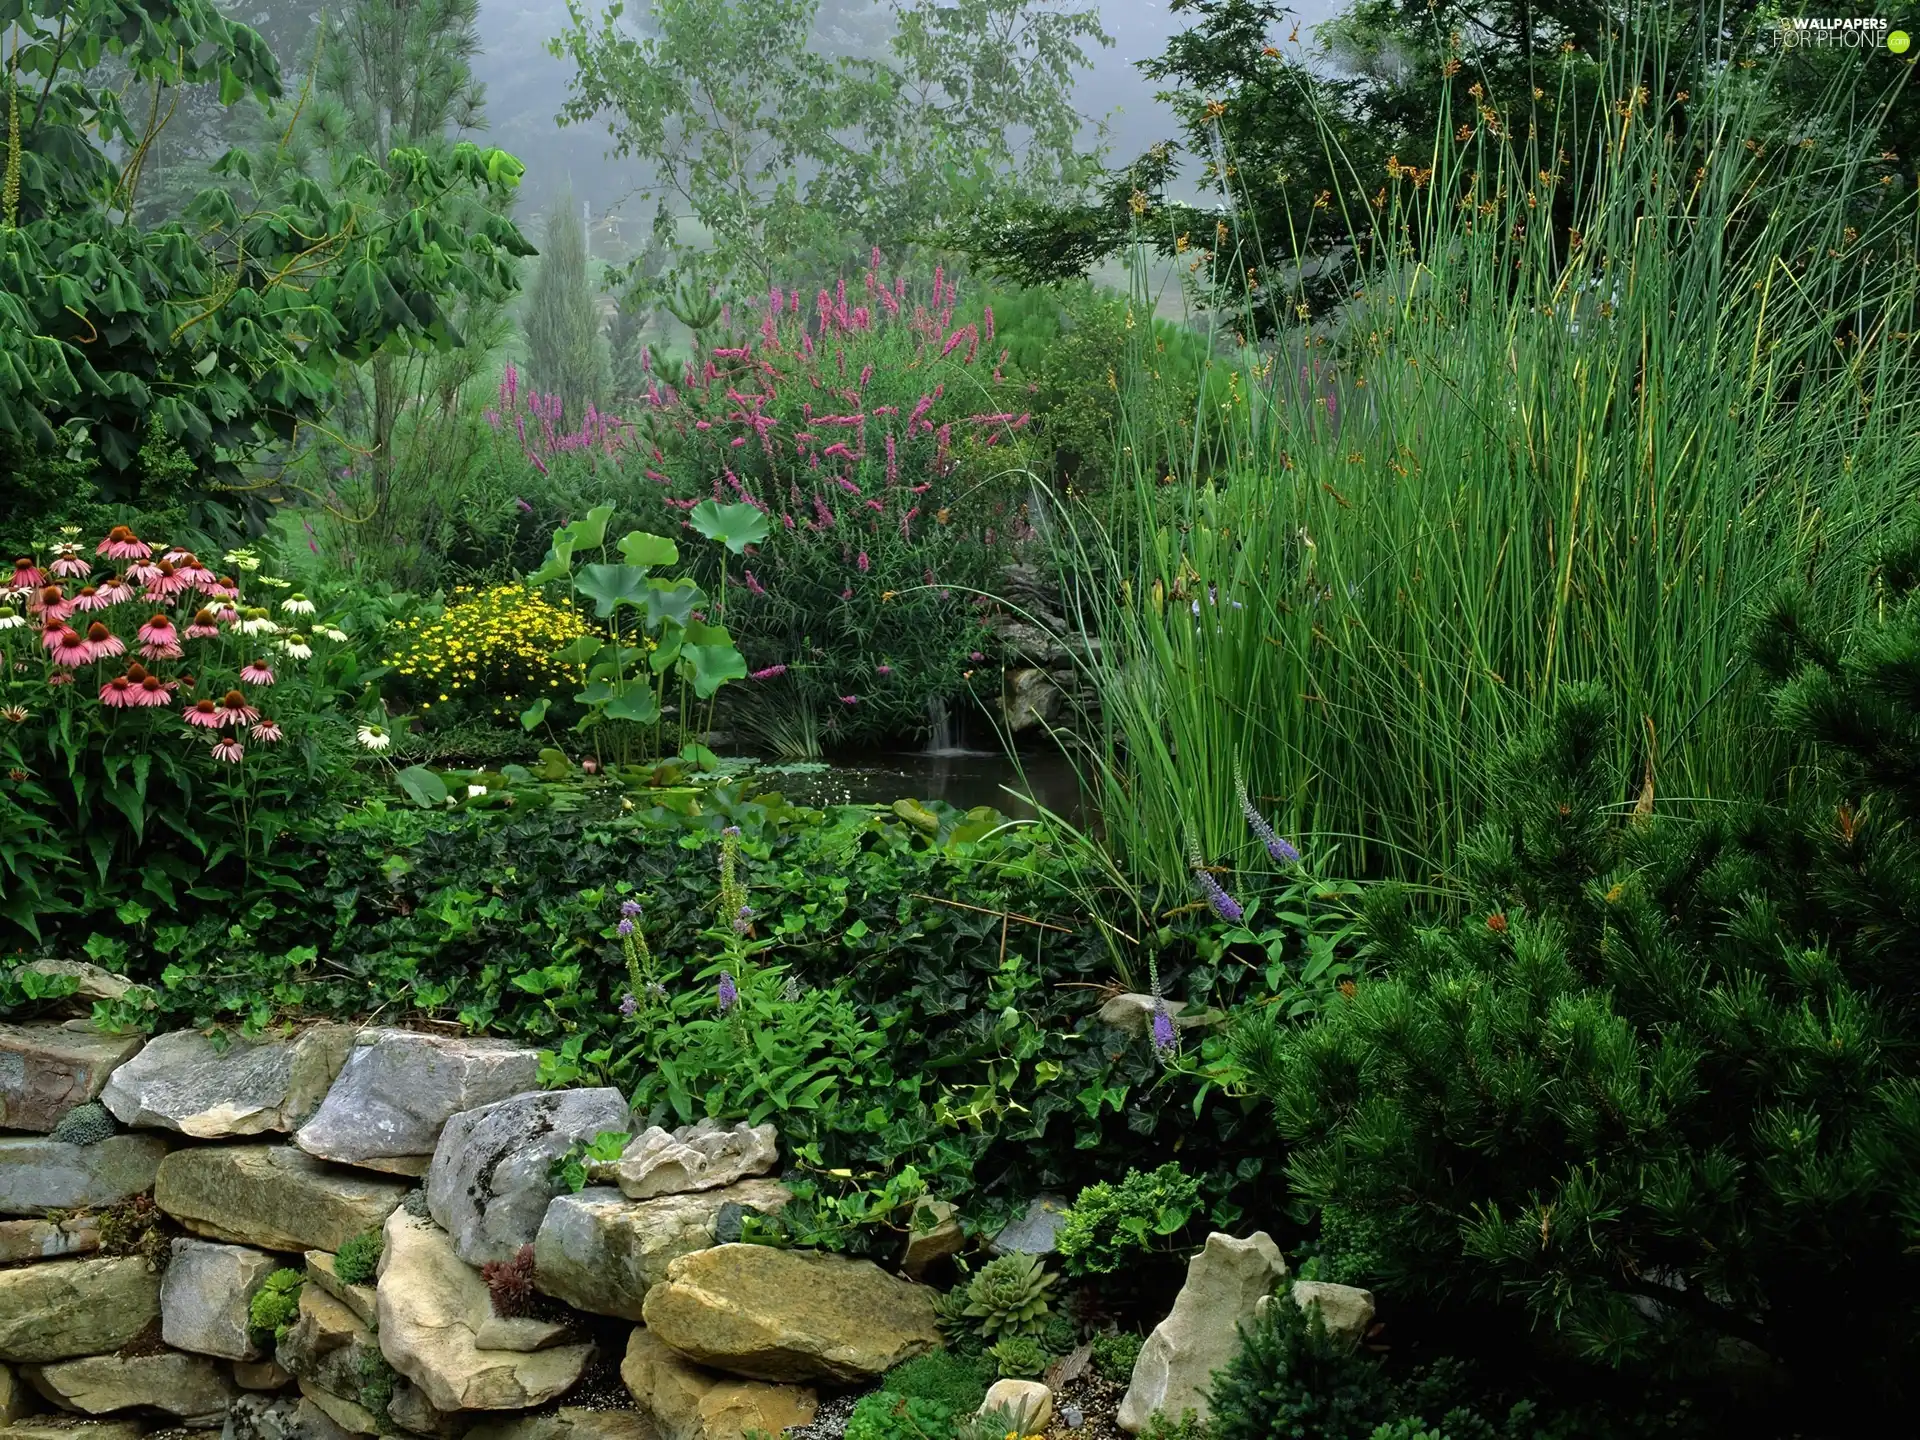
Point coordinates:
[[1346, 1310], [571, 1423], [1225, 1284], [204, 1297], [183, 1081], [431, 1308], [46, 1070], [790, 1314], [360, 1299], [705, 1156], [184, 1385], [690, 1403], [601, 1252], [71, 1427], [272, 1196], [67, 1308], [1028, 1401]]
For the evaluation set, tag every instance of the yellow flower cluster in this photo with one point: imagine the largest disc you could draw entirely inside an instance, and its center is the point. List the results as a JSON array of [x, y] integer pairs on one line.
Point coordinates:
[[497, 643]]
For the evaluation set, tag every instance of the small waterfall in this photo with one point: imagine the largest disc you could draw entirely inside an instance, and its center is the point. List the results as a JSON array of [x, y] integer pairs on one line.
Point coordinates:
[[940, 735]]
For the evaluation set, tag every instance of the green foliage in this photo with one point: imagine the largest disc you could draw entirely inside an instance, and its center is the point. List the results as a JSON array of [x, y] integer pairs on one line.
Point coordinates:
[[893, 1415], [1660, 1075], [274, 1305], [1109, 1225], [1189, 1426], [1114, 1355], [377, 1381], [109, 324], [566, 353], [951, 1380], [86, 1124], [136, 1227], [1018, 1357], [358, 1261], [1291, 1379], [1008, 1296]]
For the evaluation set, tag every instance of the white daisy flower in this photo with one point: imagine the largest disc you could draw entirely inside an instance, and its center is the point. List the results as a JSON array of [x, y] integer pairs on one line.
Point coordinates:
[[295, 645], [297, 604], [374, 737]]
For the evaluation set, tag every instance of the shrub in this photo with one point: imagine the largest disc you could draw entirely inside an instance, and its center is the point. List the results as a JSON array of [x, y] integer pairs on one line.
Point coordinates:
[[358, 1262], [1109, 1225], [1658, 1087], [956, 1382], [494, 645], [1114, 1355], [1009, 1296], [274, 1305], [888, 1415], [1290, 1378]]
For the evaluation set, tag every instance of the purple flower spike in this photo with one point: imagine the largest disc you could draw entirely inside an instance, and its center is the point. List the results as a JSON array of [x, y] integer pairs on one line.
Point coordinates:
[[629, 908], [1281, 849], [729, 992], [625, 927], [1224, 905], [743, 920], [1165, 1041], [628, 1005]]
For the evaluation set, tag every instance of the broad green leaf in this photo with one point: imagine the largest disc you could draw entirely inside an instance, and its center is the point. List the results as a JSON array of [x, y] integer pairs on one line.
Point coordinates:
[[639, 547], [735, 526], [636, 703], [610, 586], [535, 713], [590, 530], [671, 600], [422, 786], [579, 652]]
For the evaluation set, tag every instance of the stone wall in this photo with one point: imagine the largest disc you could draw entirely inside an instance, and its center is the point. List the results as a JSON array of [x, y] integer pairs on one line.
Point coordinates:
[[148, 1192]]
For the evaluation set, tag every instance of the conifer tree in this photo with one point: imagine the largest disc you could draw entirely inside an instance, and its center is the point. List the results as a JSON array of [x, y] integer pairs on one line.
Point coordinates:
[[1659, 1087], [567, 356]]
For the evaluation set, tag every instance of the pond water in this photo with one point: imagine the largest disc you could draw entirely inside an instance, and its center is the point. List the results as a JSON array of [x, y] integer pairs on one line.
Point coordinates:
[[962, 778]]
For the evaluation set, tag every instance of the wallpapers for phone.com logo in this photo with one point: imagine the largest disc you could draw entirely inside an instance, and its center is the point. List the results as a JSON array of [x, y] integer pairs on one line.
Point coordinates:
[[1813, 32]]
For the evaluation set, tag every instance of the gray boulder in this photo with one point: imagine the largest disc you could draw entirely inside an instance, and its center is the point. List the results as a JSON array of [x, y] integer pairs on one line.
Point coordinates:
[[1226, 1282], [186, 1386], [182, 1081], [397, 1089], [705, 1156], [1037, 1231], [490, 1181], [37, 1175], [272, 1196], [204, 1296]]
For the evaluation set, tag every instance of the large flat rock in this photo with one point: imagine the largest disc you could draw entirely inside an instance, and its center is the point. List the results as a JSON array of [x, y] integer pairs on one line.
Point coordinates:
[[326, 1349], [432, 1307], [22, 1240], [68, 1308], [491, 1178], [601, 1252], [397, 1089], [689, 1403], [37, 1174], [183, 1081], [705, 1156], [186, 1386], [790, 1314], [271, 1196], [47, 1069]]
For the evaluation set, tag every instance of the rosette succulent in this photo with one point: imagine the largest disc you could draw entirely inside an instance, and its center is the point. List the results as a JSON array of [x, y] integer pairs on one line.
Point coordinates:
[[1009, 1297]]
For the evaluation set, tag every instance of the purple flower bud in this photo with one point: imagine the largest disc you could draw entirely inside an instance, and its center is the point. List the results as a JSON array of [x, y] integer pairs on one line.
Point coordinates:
[[628, 1005], [625, 927], [1165, 1041], [1224, 905], [743, 920], [629, 907], [1282, 850], [729, 993]]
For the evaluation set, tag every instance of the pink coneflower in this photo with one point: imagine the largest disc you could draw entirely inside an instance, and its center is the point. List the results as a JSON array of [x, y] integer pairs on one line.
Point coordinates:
[[71, 567], [204, 713], [198, 576], [102, 643], [224, 588], [26, 575], [116, 591], [51, 604], [90, 598], [166, 584], [883, 669], [60, 677], [70, 648], [257, 672], [205, 626], [234, 709], [228, 751], [267, 732], [153, 691], [122, 544], [227, 615], [119, 693], [140, 572], [176, 554], [158, 631]]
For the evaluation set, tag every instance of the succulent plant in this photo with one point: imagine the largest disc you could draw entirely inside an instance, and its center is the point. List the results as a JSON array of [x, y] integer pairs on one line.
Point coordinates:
[[1019, 1357], [358, 1262], [1009, 1297], [510, 1283], [86, 1124]]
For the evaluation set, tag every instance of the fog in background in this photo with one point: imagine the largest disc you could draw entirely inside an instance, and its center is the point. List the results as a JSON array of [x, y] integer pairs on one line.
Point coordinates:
[[526, 86]]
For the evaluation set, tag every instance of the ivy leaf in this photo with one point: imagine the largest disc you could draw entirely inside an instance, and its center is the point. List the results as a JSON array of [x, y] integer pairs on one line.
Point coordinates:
[[735, 526]]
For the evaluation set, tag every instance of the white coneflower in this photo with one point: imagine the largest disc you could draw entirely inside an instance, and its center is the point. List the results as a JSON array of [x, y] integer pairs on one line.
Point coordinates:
[[11, 621], [295, 646], [243, 560], [329, 632], [374, 737], [14, 714], [255, 622], [297, 604]]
